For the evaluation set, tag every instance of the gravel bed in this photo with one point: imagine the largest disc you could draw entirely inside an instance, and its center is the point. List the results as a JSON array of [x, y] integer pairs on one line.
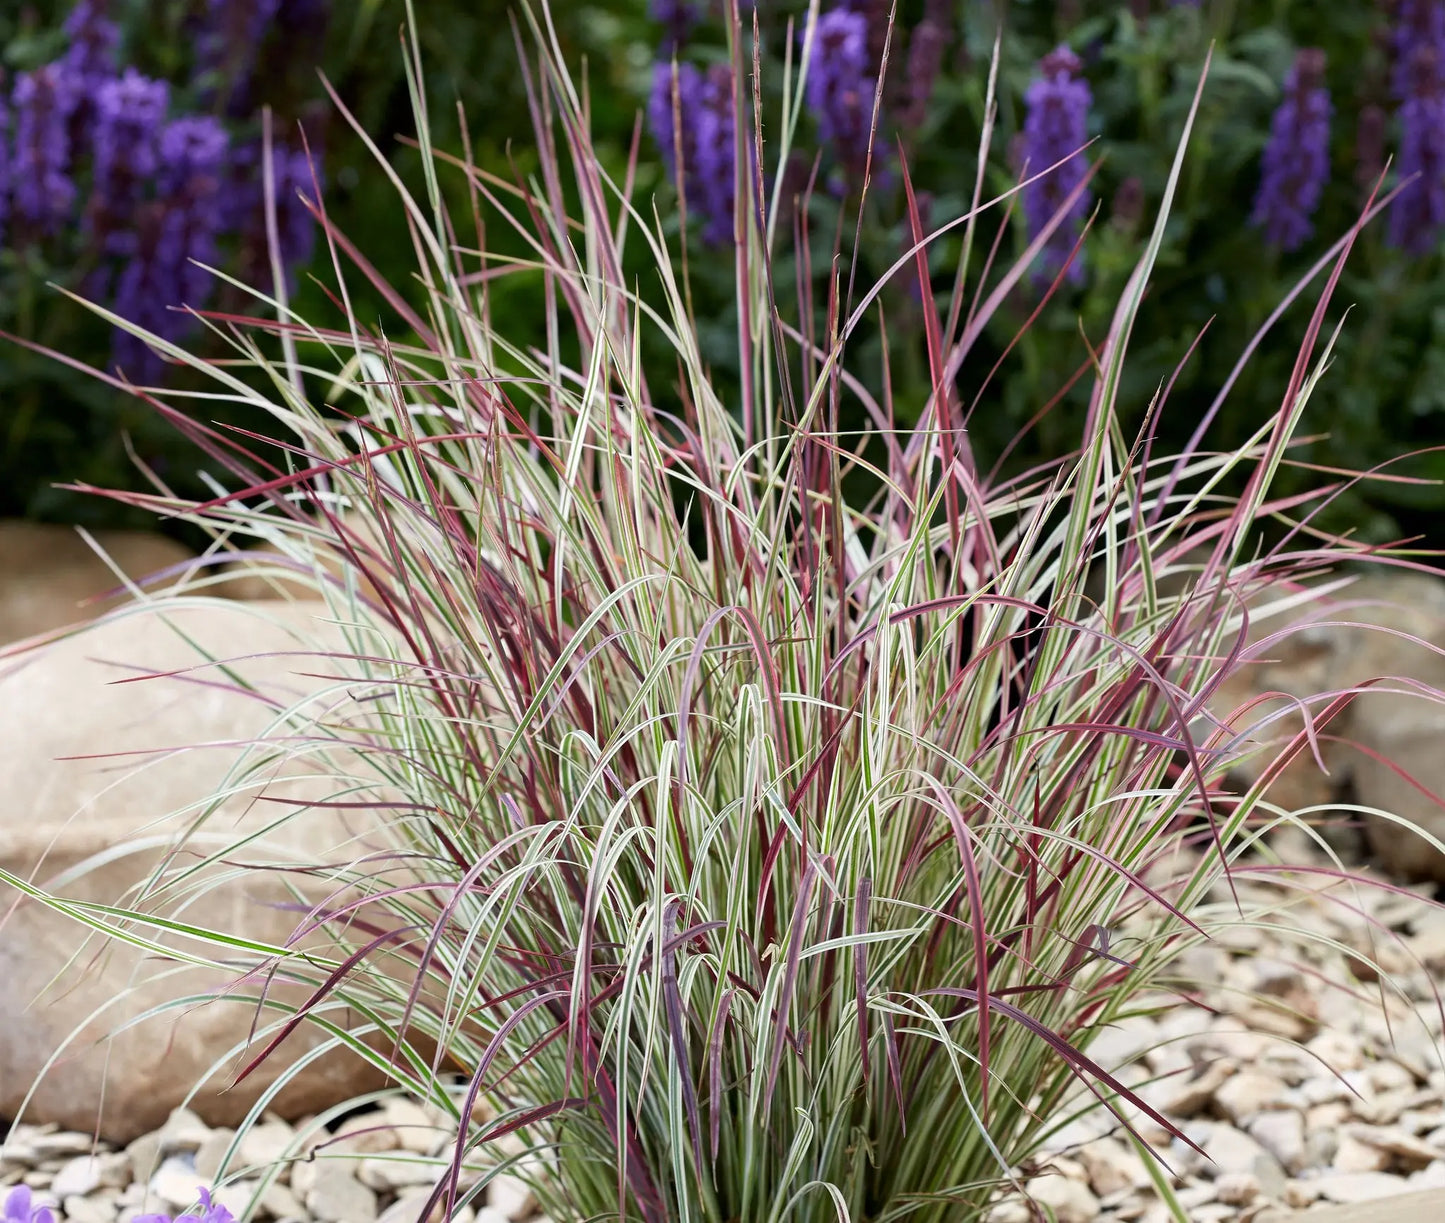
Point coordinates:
[[1312, 1075]]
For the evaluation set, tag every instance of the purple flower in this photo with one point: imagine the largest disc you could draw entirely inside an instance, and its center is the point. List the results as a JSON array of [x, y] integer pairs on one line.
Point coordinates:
[[19, 1208], [94, 40], [291, 178], [1418, 213], [1296, 163], [4, 167], [1056, 125], [705, 133], [1370, 147], [1418, 23], [130, 112], [926, 46], [174, 232], [43, 101], [211, 1212], [841, 87], [676, 17], [676, 93], [230, 41]]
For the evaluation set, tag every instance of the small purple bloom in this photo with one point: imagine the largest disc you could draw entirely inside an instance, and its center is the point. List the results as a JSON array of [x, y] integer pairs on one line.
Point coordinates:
[[94, 40], [1418, 23], [174, 233], [676, 94], [1418, 213], [841, 87], [677, 18], [1056, 125], [20, 1208], [705, 132], [291, 178], [130, 113], [1296, 163], [211, 1212], [1370, 147], [43, 102], [716, 157], [4, 167], [926, 47]]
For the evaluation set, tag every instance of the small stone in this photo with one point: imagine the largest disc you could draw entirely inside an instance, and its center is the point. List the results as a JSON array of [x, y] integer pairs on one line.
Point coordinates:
[[183, 1131], [1232, 1151], [1068, 1200], [384, 1173], [1191, 1099], [1243, 1095], [77, 1177], [1402, 1148], [1348, 1187], [280, 1202], [1112, 1167], [1320, 1147], [1237, 1188], [236, 1197], [415, 1128], [1299, 1194], [513, 1196], [1282, 1134], [87, 1210], [338, 1197], [1352, 1155], [366, 1134], [145, 1156], [1429, 1177], [266, 1144], [211, 1152], [176, 1182], [1384, 1109], [305, 1171], [59, 1145], [1010, 1211]]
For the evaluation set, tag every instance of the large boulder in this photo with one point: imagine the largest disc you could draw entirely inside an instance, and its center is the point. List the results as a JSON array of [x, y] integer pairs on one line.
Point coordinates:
[[50, 576], [107, 785], [1382, 638]]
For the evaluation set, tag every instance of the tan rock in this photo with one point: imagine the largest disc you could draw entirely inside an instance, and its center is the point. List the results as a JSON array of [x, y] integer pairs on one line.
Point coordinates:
[[1354, 1155], [1243, 1095], [50, 576], [73, 820], [1067, 1200], [338, 1197]]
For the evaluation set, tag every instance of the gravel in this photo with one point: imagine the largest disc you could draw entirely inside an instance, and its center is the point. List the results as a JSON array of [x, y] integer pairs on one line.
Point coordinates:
[[1313, 1079]]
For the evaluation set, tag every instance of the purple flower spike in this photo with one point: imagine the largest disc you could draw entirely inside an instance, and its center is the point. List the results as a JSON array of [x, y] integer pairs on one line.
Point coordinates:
[[20, 1208], [4, 167], [1418, 23], [43, 101], [291, 178], [130, 113], [1418, 213], [704, 106], [176, 232], [94, 41], [1057, 124], [926, 47], [1296, 161], [675, 95], [840, 86], [677, 18], [716, 155]]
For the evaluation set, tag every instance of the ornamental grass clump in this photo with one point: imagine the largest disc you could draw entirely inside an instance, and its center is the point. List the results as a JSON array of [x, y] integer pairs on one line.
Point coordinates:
[[776, 820]]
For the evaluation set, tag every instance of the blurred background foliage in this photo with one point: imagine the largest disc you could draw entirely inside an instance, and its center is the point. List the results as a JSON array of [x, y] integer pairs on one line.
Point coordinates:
[[1384, 397]]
